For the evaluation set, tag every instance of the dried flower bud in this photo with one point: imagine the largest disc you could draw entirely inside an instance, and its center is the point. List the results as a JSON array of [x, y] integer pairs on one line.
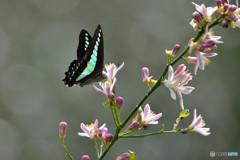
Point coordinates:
[[62, 129], [134, 125], [85, 157], [184, 131]]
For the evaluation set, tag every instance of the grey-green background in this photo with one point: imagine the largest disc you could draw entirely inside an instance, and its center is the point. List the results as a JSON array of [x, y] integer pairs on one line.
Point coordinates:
[[38, 40]]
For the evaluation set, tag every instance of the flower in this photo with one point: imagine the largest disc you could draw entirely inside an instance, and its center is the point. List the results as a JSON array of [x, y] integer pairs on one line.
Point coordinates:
[[148, 117], [200, 61], [112, 70], [206, 12], [176, 81], [62, 129], [203, 14], [208, 36], [145, 75], [92, 131], [198, 124], [107, 88], [124, 156]]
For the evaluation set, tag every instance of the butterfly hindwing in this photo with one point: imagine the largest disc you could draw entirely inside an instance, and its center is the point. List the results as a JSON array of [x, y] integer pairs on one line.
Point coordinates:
[[89, 64]]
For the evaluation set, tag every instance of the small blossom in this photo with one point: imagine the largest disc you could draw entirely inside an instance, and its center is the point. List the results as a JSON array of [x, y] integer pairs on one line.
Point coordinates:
[[200, 61], [119, 102], [198, 124], [209, 37], [112, 70], [92, 131], [62, 129], [108, 138], [203, 14], [148, 117], [176, 81], [145, 75], [173, 52], [124, 156], [134, 125], [85, 157], [107, 88]]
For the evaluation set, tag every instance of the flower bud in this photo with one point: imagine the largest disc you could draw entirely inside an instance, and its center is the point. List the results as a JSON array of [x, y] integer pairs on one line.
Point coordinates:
[[222, 14], [184, 131], [124, 156], [145, 75], [210, 49], [231, 9], [233, 17], [145, 127], [226, 6], [197, 16], [108, 138], [206, 45], [85, 157], [225, 24], [62, 129], [218, 2], [134, 125], [175, 49], [224, 1], [119, 102], [111, 96]]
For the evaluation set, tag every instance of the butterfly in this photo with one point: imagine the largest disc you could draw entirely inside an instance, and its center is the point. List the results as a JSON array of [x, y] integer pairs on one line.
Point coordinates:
[[88, 66]]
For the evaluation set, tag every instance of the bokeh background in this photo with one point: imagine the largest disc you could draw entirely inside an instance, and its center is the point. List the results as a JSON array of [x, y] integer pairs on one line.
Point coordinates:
[[38, 40]]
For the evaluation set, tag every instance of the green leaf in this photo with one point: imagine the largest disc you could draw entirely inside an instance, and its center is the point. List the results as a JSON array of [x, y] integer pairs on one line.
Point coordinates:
[[132, 154]]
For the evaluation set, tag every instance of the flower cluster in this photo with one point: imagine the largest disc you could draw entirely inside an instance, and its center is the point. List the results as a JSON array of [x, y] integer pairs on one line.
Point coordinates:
[[108, 87], [229, 13]]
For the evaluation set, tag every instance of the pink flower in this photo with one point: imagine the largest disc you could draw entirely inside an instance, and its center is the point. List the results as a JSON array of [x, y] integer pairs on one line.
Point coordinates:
[[107, 88], [92, 131], [198, 124], [148, 117], [112, 70], [200, 61], [176, 81], [124, 156]]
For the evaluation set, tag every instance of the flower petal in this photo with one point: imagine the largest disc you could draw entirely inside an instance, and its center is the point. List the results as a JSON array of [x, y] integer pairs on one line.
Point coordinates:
[[172, 93]]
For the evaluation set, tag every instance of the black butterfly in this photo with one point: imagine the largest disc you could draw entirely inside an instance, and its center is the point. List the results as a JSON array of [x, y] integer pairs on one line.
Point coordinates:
[[88, 67]]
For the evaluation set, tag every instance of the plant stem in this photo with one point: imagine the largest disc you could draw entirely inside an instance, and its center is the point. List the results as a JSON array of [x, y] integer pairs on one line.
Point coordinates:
[[65, 148], [114, 117], [149, 134], [96, 146]]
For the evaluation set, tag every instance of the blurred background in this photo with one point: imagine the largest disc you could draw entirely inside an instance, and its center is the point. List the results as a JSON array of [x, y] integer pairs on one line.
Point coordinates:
[[38, 40]]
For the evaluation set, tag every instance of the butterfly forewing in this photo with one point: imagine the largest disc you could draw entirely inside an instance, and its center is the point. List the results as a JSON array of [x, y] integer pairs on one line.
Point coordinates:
[[84, 41]]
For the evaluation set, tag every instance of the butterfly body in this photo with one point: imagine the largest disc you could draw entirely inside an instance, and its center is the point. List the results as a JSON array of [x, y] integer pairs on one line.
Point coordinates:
[[88, 66]]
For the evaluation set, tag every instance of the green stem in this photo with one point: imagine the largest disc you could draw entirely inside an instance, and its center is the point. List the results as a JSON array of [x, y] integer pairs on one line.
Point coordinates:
[[114, 117], [96, 146], [116, 114], [118, 129], [149, 134], [65, 148]]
